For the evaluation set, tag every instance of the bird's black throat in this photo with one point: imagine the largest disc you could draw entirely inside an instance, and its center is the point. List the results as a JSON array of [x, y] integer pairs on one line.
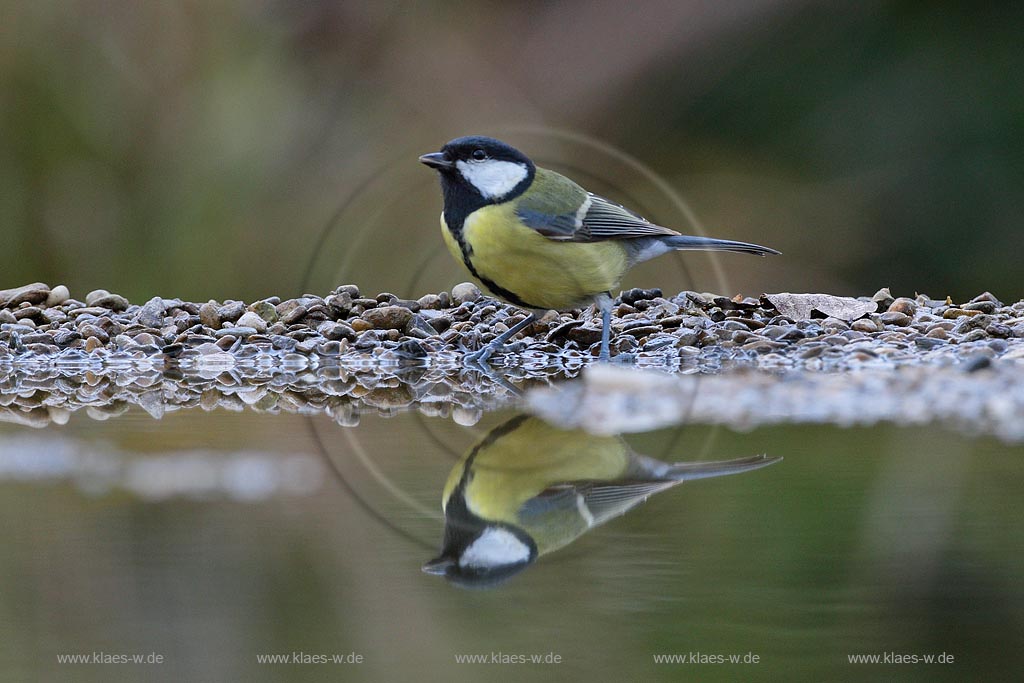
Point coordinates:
[[460, 200]]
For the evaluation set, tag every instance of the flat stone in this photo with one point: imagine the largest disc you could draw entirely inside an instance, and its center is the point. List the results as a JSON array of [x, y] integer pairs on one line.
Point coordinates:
[[388, 317], [35, 293], [235, 332]]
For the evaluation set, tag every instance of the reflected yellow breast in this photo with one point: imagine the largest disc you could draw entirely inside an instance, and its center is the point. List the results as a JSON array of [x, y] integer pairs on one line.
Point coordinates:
[[542, 272], [519, 465]]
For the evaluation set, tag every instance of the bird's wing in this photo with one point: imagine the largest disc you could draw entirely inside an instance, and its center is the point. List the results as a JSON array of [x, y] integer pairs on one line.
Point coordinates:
[[559, 209], [597, 502]]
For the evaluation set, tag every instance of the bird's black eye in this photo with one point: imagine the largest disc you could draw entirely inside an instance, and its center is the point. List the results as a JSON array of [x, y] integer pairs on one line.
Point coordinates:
[[479, 154], [447, 156]]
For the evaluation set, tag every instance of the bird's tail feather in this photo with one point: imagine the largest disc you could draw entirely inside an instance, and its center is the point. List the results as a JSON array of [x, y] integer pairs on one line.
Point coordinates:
[[685, 471], [691, 243]]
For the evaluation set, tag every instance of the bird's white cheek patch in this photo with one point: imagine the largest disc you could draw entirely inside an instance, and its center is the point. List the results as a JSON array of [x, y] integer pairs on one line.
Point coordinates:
[[491, 177], [495, 547]]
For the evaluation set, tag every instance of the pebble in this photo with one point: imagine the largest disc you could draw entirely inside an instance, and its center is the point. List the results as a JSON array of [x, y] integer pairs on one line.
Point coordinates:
[[231, 311], [104, 299], [209, 315], [388, 317], [265, 310], [250, 319], [152, 313], [865, 325], [57, 296], [465, 292], [896, 318], [35, 293]]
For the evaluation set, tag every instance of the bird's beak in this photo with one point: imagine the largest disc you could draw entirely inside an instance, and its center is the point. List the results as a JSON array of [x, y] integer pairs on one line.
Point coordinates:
[[439, 565], [436, 160]]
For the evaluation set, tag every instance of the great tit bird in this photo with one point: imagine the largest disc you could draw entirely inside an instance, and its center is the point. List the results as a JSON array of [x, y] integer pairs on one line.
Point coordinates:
[[528, 488], [540, 241]]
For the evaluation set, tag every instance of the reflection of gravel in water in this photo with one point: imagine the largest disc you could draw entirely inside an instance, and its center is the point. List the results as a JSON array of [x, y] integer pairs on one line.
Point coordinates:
[[345, 353], [99, 469]]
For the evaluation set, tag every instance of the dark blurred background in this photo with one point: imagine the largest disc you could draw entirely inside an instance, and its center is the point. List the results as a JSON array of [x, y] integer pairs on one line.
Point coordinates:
[[202, 149]]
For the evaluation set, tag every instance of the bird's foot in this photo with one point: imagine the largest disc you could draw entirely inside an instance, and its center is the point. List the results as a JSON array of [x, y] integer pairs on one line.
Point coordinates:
[[618, 359], [479, 358]]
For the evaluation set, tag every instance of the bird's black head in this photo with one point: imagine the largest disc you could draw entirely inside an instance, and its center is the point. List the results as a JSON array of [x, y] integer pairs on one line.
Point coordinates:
[[477, 553], [480, 170]]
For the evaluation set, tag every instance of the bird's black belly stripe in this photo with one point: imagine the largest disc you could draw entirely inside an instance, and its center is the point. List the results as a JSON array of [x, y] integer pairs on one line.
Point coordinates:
[[459, 203], [467, 253]]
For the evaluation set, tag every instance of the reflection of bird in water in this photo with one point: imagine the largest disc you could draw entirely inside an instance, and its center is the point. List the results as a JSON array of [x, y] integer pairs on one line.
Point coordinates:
[[529, 488]]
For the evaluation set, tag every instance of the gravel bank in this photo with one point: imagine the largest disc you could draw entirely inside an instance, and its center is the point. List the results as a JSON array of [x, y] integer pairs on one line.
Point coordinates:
[[690, 331], [345, 355]]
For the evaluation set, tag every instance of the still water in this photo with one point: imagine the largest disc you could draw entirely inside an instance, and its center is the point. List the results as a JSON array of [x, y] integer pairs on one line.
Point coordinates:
[[215, 539]]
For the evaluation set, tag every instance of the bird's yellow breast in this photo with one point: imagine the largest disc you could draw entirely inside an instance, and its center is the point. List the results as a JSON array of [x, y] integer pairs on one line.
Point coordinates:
[[541, 272], [520, 464]]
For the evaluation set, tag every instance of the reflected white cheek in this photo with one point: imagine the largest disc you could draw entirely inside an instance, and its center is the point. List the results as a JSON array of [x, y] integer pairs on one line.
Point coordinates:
[[492, 178], [494, 548]]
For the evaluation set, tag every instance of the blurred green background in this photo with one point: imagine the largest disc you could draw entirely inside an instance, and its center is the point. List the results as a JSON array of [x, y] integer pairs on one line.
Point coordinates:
[[201, 149]]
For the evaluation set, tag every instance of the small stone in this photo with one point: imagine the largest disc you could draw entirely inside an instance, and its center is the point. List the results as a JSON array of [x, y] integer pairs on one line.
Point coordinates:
[[250, 319], [209, 316], [999, 330], [231, 311], [152, 313], [65, 337], [632, 296], [987, 296], [897, 319], [866, 325], [418, 327], [973, 336], [7, 316], [388, 317], [929, 342], [980, 306], [292, 313], [429, 301], [101, 298], [35, 293], [937, 333], [976, 363], [351, 290], [94, 331], [465, 291], [57, 296], [360, 325], [265, 310], [235, 332], [951, 313], [92, 343], [883, 298], [903, 305], [336, 331]]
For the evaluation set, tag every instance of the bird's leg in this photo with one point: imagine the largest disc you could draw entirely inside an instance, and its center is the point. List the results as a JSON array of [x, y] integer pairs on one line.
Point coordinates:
[[606, 333], [604, 303], [480, 357]]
